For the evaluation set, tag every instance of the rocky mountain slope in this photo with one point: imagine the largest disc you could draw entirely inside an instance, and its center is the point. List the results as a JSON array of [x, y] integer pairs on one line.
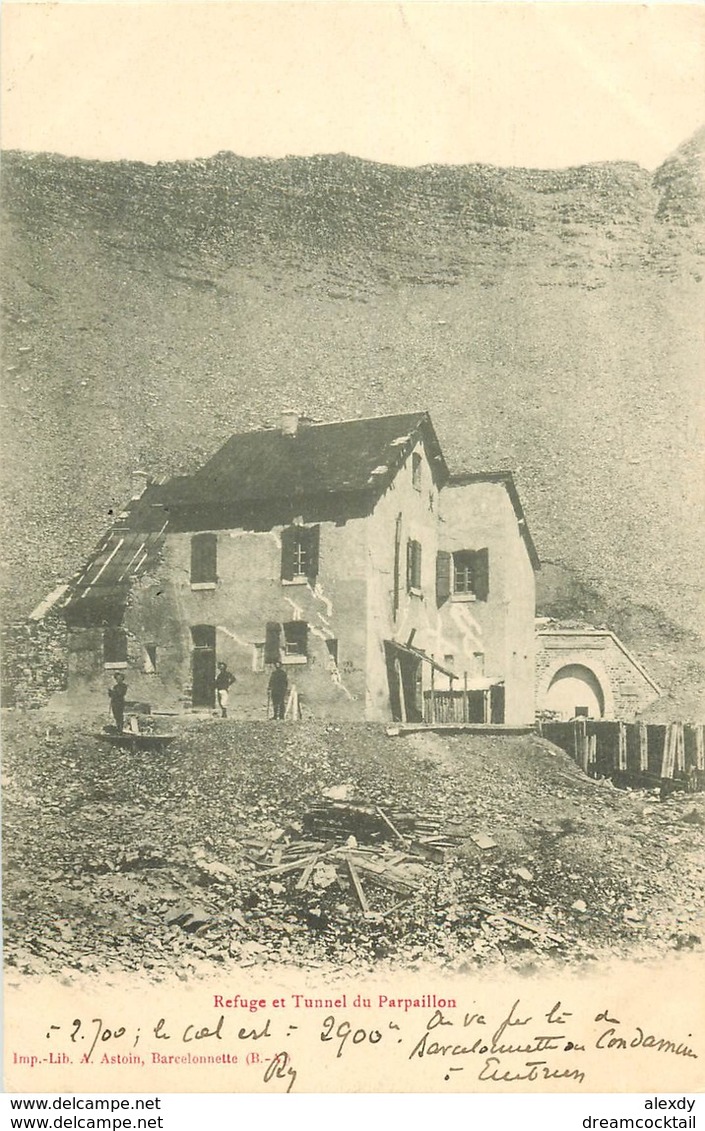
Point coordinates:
[[551, 321]]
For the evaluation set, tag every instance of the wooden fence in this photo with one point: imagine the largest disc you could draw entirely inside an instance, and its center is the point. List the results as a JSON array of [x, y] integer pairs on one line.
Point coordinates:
[[634, 753], [457, 707]]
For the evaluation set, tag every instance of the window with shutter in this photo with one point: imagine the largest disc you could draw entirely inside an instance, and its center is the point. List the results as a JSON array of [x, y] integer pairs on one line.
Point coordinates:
[[114, 648], [300, 551], [471, 574], [272, 652], [443, 586], [413, 565], [416, 464], [204, 561], [295, 639]]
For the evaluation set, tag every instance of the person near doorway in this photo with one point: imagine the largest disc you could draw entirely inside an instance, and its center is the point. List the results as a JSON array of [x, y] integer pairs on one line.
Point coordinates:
[[223, 682], [278, 687], [117, 694]]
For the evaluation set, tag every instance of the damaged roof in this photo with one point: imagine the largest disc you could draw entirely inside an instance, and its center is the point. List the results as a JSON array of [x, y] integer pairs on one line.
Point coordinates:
[[98, 594]]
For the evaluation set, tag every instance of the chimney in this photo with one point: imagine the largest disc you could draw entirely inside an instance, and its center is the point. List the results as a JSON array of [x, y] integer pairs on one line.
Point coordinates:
[[289, 422], [140, 479]]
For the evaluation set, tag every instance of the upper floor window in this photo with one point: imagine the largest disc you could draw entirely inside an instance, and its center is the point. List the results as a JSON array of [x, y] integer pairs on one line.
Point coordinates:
[[300, 545], [204, 561], [464, 575], [416, 463], [413, 566], [464, 571]]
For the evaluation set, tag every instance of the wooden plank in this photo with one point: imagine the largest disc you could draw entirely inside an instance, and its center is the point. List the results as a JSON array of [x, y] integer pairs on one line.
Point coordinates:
[[302, 882], [669, 752], [622, 747], [402, 701], [679, 748], [388, 823], [385, 880], [643, 748], [433, 693], [361, 897], [537, 928], [435, 853], [302, 862], [486, 709]]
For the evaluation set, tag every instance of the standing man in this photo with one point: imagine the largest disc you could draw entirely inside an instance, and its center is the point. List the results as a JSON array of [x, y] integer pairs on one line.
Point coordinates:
[[117, 694], [223, 682], [278, 687]]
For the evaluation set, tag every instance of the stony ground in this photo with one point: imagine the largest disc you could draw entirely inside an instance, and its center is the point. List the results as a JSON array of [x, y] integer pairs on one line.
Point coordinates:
[[118, 860]]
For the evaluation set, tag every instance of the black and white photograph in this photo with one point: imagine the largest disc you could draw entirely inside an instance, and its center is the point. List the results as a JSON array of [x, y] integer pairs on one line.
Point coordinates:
[[353, 648]]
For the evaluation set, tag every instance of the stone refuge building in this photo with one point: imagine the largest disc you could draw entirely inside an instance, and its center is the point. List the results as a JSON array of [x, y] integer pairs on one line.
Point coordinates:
[[347, 551], [582, 670]]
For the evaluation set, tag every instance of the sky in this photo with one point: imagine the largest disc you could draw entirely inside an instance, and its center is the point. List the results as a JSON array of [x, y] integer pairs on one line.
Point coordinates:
[[543, 85]]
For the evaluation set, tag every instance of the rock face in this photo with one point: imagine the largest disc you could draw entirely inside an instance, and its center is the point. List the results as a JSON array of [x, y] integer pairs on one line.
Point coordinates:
[[549, 320]]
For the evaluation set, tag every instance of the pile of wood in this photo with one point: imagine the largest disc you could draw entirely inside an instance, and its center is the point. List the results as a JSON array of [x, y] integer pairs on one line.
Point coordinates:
[[361, 845], [421, 835]]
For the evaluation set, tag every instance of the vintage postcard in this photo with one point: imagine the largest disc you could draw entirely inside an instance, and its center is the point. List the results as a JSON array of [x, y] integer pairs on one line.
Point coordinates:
[[352, 645]]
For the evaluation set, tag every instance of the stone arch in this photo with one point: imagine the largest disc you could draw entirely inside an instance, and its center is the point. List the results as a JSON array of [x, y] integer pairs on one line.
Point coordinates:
[[578, 666]]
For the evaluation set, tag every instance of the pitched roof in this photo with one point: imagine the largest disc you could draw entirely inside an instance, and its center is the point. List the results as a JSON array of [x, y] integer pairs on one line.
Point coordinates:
[[506, 478], [346, 457]]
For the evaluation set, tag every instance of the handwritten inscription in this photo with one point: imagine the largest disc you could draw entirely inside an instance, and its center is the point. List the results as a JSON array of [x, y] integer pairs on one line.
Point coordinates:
[[512, 1044]]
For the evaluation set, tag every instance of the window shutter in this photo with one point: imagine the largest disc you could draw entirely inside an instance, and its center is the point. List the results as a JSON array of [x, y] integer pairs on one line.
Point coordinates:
[[482, 575], [417, 565], [314, 541], [204, 559], [397, 565], [271, 643], [288, 541], [409, 564], [443, 567]]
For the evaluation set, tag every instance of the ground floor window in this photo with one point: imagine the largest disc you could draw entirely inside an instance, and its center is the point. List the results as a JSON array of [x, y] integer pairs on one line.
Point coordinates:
[[114, 648], [296, 638]]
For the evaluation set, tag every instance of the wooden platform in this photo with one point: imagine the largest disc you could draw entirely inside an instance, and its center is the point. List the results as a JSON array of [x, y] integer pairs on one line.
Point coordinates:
[[459, 728]]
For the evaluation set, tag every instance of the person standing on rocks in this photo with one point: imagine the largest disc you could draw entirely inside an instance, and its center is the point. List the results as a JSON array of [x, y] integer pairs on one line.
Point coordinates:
[[278, 687], [223, 682], [117, 694]]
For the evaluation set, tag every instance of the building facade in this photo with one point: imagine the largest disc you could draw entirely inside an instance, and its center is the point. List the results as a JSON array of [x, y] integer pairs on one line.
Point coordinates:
[[347, 552]]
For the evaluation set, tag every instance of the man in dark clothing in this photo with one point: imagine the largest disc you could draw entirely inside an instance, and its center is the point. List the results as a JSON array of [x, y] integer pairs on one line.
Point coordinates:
[[117, 694], [223, 682], [278, 687]]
